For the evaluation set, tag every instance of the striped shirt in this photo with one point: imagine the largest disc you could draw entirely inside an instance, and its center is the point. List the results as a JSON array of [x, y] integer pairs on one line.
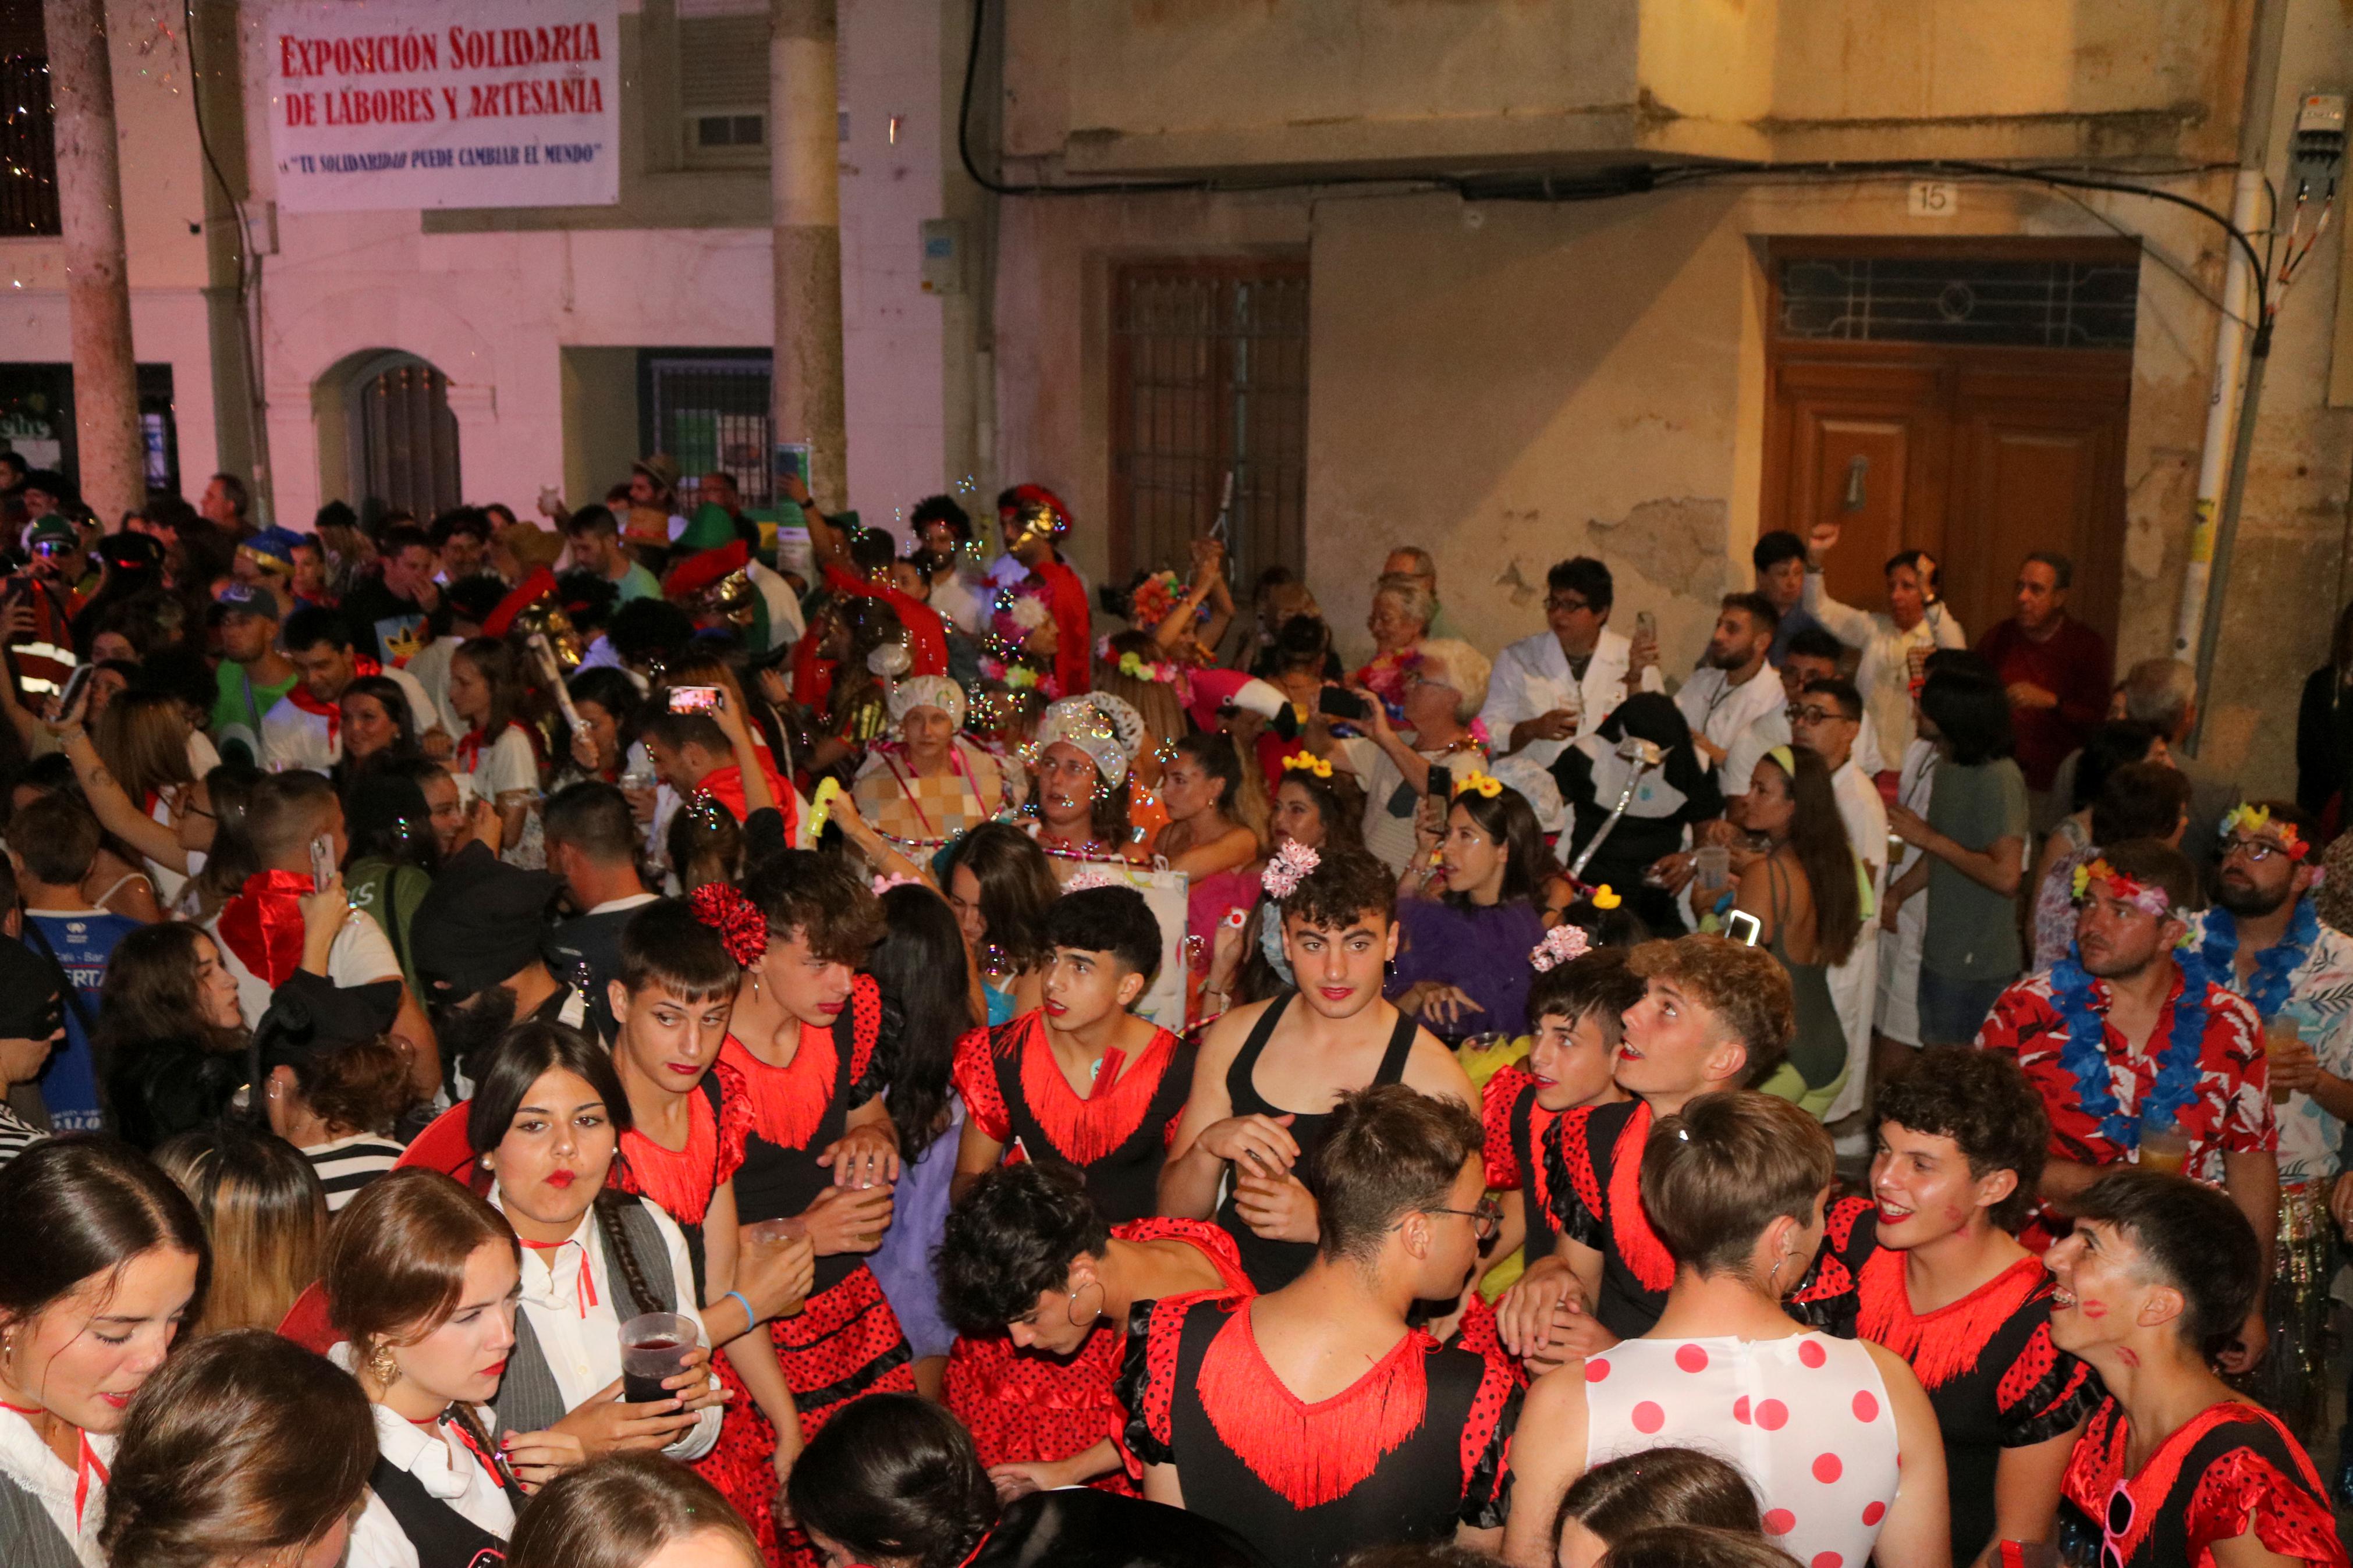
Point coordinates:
[[16, 1134], [347, 1165]]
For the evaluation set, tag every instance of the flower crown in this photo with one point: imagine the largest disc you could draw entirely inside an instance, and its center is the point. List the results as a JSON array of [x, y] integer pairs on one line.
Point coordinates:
[[2256, 820], [1485, 785], [2145, 897], [1137, 668], [1307, 762], [743, 929], [1560, 944], [1290, 866]]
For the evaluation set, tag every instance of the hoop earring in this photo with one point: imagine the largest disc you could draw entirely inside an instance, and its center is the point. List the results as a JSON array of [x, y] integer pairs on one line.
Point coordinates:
[[1075, 1321], [1773, 1278]]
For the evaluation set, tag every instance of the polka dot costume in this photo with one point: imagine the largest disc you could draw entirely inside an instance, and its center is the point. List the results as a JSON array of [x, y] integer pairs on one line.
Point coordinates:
[[1806, 1417]]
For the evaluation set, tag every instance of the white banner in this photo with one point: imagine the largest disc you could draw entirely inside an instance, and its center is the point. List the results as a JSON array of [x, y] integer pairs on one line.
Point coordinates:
[[445, 103]]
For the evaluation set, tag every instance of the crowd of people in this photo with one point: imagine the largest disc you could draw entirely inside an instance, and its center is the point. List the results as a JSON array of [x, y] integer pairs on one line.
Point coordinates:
[[656, 1037]]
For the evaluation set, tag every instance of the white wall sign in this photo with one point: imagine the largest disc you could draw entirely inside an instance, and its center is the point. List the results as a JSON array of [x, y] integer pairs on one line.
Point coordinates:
[[445, 103]]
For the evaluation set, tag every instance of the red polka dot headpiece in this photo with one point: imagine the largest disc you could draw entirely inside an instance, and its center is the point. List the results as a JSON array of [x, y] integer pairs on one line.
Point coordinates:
[[743, 929]]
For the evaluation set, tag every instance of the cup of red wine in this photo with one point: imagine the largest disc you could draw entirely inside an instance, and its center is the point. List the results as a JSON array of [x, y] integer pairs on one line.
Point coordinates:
[[654, 1348]]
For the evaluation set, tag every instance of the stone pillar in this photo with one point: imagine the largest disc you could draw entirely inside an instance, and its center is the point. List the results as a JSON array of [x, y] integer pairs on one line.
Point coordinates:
[[804, 162], [113, 466]]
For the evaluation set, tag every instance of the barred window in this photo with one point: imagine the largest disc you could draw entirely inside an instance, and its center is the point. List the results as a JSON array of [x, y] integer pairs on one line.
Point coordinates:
[[2056, 303]]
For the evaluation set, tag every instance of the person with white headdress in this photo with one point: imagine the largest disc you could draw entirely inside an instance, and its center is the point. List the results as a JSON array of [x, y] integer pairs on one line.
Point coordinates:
[[1082, 800], [928, 783]]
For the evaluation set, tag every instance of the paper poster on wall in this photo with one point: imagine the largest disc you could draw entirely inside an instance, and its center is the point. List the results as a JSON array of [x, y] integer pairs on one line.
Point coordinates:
[[444, 103]]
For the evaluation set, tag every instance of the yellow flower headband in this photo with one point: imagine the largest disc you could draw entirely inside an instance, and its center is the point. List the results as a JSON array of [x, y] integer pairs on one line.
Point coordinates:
[[1475, 782], [2145, 897], [2255, 821], [1307, 762]]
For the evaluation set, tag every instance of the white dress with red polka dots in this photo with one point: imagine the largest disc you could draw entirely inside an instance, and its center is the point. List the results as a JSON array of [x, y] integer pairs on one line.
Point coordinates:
[[1806, 1418]]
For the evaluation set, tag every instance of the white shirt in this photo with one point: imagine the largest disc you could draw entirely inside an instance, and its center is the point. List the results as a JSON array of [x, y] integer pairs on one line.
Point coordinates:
[[1722, 712], [581, 1342], [443, 1465], [952, 597], [430, 666], [786, 624], [1388, 836], [293, 737], [49, 1480], [1532, 677], [360, 956], [1884, 676], [1771, 729], [1855, 984], [506, 765]]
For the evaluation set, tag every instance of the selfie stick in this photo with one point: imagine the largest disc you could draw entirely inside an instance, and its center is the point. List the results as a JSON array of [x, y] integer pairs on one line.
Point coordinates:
[[1645, 756]]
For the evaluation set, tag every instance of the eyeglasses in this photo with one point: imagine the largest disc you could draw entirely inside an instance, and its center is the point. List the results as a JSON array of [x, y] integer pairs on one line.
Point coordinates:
[[1567, 604], [1485, 1220], [2256, 850], [1812, 715]]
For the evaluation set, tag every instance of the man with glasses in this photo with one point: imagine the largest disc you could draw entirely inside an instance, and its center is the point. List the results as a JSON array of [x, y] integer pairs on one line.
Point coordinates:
[[1827, 717], [1316, 1419], [2173, 1466], [1549, 688], [2262, 940]]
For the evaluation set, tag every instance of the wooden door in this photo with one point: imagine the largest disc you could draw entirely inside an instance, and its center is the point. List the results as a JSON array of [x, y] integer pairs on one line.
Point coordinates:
[[1966, 401], [1863, 445], [2038, 464]]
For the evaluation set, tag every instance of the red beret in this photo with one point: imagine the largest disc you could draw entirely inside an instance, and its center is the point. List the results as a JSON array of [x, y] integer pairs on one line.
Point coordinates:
[[705, 567], [540, 584]]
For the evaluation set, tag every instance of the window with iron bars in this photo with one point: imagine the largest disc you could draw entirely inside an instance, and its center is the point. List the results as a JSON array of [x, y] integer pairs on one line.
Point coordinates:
[[714, 411], [29, 154], [1209, 414]]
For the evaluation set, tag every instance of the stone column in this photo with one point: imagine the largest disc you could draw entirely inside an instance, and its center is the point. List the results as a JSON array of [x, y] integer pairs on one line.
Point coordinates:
[[804, 162]]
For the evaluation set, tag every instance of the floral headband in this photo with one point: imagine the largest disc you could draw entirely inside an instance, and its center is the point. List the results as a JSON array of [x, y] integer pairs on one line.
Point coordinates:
[[2256, 821], [1290, 866], [1307, 762], [743, 929], [1137, 668], [1560, 944], [2149, 900], [1485, 785]]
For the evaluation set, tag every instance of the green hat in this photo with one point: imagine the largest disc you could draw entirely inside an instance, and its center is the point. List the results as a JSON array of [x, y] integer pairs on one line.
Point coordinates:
[[51, 528], [709, 528]]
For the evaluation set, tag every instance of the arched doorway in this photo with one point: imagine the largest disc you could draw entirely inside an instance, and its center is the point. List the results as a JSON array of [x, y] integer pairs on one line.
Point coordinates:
[[399, 440]]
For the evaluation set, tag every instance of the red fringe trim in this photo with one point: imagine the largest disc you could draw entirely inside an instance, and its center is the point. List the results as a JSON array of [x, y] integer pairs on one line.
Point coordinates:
[[1311, 1454], [680, 1180], [1084, 1131], [1577, 1153], [1945, 1343], [1639, 1246], [787, 1102]]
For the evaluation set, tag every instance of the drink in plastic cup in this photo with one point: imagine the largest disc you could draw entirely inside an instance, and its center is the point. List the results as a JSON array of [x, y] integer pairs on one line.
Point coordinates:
[[2164, 1147], [654, 1348], [1712, 864], [2280, 1030]]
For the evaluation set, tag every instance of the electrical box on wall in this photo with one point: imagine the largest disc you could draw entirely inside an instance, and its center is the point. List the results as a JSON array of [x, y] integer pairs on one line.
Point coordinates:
[[943, 256]]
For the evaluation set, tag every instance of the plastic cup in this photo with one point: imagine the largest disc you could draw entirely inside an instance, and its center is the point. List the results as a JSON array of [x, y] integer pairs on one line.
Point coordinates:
[[654, 1348], [2164, 1147], [2280, 1031], [1712, 864]]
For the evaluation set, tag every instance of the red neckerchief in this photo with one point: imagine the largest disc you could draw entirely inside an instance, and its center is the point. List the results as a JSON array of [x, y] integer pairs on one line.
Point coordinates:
[[1066, 596], [87, 1463], [469, 746], [263, 925], [332, 713], [584, 1294]]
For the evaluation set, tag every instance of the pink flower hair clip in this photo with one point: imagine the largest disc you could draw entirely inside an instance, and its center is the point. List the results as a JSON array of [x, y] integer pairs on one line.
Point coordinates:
[[1290, 866], [1560, 944], [1087, 877]]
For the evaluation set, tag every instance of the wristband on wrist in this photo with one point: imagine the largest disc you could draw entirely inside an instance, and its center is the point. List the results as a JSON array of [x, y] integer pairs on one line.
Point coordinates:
[[751, 1319]]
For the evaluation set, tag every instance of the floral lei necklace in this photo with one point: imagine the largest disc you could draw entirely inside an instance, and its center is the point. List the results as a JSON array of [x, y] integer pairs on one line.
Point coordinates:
[[2267, 987], [2085, 1056]]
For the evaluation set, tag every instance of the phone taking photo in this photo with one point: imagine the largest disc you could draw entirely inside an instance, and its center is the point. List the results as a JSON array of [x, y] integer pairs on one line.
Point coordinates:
[[1743, 927], [1341, 703], [693, 699], [1441, 781], [322, 863], [76, 683]]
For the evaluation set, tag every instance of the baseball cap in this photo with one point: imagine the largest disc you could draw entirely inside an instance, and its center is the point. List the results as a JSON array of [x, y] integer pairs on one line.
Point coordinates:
[[248, 599]]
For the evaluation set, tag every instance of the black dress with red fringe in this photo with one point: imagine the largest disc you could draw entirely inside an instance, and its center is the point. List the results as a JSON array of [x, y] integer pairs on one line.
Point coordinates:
[[1519, 1132], [1024, 1407], [1117, 1136], [682, 1181], [2230, 1469], [1991, 1372], [1413, 1448], [1594, 1167], [846, 1340]]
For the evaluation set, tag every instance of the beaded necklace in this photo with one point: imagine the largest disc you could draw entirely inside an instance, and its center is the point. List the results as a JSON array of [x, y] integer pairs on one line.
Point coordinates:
[[2085, 1054]]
